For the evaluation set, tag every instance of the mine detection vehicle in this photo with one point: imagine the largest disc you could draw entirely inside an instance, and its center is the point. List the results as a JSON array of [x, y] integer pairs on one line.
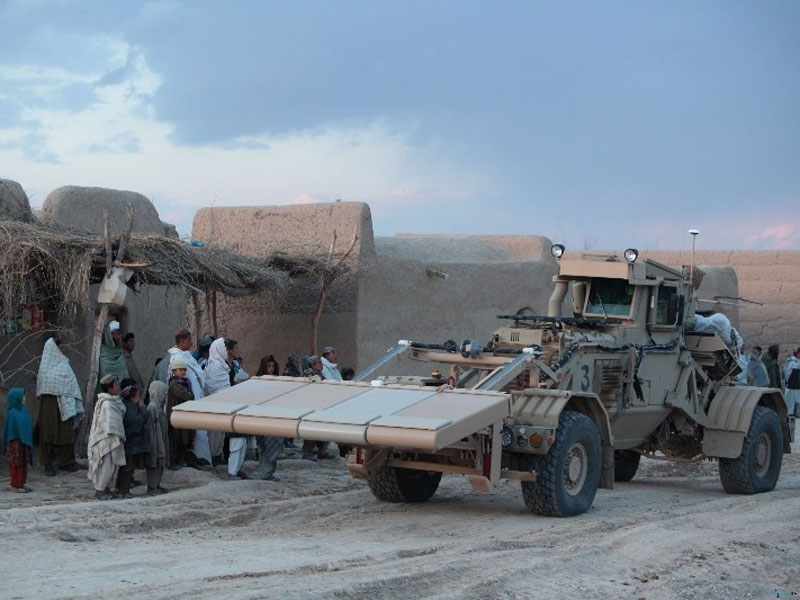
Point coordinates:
[[564, 404]]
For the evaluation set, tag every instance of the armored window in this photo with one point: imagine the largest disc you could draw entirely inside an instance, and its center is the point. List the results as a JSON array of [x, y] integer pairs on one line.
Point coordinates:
[[665, 316], [610, 297]]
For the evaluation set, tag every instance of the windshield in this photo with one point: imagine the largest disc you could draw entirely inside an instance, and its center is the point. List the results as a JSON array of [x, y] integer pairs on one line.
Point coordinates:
[[610, 297]]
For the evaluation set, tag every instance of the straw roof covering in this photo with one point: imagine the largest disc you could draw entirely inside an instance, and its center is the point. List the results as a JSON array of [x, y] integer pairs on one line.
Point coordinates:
[[64, 263]]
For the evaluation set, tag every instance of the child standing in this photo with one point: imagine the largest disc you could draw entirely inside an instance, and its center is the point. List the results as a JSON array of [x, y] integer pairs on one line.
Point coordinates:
[[137, 438], [178, 392], [18, 440], [157, 426]]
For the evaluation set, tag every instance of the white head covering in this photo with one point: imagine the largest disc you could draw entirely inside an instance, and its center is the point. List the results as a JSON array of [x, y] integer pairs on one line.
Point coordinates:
[[113, 325], [217, 369]]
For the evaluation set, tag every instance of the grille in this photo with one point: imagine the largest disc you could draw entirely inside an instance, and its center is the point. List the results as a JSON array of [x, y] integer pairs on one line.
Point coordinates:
[[608, 380]]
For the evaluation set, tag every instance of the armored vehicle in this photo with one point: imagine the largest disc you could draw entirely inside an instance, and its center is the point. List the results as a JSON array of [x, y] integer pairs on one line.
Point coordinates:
[[564, 404]]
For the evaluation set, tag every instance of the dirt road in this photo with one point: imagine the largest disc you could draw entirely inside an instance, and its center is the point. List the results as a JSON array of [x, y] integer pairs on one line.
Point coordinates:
[[671, 533]]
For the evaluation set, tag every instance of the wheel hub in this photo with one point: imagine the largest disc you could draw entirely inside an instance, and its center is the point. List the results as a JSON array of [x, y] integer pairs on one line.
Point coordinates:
[[763, 454], [575, 468]]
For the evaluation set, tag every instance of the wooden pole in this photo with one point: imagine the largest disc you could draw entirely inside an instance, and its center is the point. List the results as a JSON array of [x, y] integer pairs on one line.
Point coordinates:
[[199, 313], [81, 448], [213, 314]]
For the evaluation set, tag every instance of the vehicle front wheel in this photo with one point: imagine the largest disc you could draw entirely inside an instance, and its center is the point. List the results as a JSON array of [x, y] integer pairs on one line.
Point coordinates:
[[568, 475], [758, 467], [626, 463], [394, 484]]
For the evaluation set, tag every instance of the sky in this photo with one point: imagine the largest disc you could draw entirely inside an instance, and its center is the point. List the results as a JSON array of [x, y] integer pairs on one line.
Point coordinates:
[[597, 124]]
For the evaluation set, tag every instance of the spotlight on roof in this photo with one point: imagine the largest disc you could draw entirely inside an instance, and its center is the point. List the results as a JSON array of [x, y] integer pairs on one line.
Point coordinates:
[[631, 254], [557, 250]]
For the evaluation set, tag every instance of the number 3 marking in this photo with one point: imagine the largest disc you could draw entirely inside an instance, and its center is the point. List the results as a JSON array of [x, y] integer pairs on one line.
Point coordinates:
[[585, 378]]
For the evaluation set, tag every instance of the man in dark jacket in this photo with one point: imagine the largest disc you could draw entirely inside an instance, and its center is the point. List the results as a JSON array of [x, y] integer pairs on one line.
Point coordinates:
[[773, 366]]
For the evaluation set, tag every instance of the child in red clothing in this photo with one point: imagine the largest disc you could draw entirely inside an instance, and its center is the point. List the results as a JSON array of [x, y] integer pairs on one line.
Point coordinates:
[[18, 440]]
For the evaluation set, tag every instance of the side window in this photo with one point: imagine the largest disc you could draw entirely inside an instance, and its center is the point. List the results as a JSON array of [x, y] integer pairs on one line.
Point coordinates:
[[664, 316]]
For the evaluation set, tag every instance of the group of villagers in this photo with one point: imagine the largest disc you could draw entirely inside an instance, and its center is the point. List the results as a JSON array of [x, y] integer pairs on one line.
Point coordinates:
[[126, 433]]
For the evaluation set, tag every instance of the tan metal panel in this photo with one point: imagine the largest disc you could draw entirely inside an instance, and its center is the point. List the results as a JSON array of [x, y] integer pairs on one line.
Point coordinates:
[[201, 420], [732, 407], [273, 411], [319, 395], [592, 268], [542, 406], [250, 425], [371, 405], [410, 422], [207, 406], [404, 439], [466, 412], [258, 390], [333, 432]]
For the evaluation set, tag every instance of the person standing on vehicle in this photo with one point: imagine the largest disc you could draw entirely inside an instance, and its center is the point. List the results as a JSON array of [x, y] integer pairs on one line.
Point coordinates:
[[791, 374]]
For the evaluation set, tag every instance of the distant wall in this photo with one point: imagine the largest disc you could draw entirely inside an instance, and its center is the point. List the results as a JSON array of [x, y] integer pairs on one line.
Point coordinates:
[[428, 288], [254, 322], [431, 288]]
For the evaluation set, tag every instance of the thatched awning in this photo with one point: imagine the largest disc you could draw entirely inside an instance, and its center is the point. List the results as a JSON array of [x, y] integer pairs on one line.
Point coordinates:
[[63, 263]]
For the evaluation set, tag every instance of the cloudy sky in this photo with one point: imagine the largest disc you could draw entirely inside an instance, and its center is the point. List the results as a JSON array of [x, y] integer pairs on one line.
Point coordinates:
[[600, 124]]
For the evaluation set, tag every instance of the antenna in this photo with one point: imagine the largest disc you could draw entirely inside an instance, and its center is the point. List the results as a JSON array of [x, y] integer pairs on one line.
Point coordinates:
[[694, 233]]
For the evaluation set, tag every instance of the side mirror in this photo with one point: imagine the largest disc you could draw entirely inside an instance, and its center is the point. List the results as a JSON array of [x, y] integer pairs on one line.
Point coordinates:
[[675, 309]]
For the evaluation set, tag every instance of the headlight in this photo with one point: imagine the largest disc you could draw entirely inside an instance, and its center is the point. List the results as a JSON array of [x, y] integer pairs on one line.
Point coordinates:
[[506, 437], [557, 250], [631, 254]]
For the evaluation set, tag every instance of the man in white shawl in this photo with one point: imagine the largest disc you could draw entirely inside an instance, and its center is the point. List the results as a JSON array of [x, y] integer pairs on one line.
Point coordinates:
[[106, 438], [218, 377], [60, 407], [791, 375], [182, 350], [330, 370]]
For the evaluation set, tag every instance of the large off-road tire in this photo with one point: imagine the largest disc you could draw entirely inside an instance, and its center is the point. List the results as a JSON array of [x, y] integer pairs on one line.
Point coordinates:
[[626, 463], [758, 467], [393, 484], [568, 475]]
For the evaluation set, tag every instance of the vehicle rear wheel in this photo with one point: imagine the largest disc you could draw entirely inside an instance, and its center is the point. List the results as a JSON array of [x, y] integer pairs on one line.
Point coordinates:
[[626, 463], [568, 475], [758, 467], [393, 484]]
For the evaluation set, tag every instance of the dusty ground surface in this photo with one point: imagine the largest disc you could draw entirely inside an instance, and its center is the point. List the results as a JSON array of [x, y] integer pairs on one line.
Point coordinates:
[[671, 533]]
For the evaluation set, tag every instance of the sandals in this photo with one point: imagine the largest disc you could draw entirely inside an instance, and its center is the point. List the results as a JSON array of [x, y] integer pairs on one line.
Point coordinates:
[[22, 490]]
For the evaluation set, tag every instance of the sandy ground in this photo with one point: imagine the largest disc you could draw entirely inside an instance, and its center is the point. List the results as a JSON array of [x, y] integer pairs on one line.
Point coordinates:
[[671, 533]]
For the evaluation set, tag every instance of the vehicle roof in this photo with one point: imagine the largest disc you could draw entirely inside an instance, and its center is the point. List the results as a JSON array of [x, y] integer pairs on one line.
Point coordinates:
[[640, 272]]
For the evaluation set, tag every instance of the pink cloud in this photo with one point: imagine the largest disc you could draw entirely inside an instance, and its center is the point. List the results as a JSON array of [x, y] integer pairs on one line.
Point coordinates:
[[304, 199], [783, 235]]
